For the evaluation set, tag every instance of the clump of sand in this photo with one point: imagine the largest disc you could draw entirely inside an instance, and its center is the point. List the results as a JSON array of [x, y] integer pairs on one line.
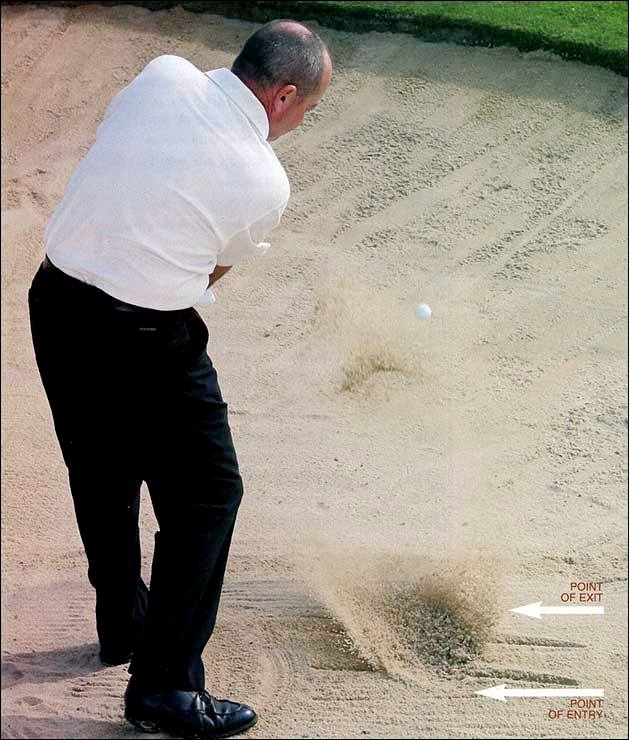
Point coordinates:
[[371, 355], [409, 616], [378, 334]]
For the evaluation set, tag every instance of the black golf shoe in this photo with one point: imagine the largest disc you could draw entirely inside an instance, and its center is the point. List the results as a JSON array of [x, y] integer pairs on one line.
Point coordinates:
[[190, 714]]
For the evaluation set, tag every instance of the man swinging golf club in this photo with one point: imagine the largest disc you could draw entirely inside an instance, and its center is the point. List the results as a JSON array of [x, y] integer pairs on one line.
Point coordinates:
[[179, 185]]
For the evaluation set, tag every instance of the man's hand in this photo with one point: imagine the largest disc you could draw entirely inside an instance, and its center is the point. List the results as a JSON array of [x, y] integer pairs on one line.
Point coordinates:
[[219, 271]]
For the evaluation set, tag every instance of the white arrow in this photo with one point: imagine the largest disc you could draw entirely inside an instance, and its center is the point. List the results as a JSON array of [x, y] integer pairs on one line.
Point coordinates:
[[536, 610], [502, 692]]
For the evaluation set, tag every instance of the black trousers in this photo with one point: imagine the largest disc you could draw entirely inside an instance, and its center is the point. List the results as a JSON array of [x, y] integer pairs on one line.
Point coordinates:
[[135, 397]]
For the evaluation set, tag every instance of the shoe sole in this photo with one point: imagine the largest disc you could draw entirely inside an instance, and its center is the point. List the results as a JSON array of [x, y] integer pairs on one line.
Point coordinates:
[[119, 660], [109, 664], [149, 726]]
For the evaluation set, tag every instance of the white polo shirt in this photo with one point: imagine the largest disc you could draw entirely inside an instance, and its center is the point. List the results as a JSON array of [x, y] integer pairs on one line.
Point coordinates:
[[180, 178]]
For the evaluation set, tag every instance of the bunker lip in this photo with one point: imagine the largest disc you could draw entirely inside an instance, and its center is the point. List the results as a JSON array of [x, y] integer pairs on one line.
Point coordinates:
[[433, 28]]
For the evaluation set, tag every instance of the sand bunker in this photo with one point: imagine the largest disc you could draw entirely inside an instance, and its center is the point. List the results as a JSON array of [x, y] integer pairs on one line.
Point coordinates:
[[490, 185]]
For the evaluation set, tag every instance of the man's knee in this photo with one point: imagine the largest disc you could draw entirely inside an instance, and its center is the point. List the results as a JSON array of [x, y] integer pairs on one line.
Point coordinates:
[[224, 492]]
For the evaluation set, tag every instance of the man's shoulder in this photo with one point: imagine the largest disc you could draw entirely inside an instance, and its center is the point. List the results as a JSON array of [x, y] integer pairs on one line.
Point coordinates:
[[170, 65]]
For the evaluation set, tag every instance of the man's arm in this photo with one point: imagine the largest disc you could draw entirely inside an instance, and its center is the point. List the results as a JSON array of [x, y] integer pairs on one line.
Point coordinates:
[[249, 241], [219, 271]]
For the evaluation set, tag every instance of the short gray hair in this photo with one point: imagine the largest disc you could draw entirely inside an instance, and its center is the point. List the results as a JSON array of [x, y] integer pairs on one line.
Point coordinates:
[[278, 55]]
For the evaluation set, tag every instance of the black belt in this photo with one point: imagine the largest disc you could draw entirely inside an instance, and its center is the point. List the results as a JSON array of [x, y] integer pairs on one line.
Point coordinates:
[[97, 293]]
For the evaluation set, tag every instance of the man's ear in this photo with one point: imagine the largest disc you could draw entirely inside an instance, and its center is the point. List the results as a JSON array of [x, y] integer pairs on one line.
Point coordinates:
[[286, 95]]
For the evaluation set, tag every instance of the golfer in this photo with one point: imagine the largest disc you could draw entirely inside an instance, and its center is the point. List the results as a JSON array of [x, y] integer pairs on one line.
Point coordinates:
[[180, 185]]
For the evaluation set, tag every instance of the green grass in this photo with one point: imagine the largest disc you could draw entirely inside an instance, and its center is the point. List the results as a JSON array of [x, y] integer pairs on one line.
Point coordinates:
[[592, 32], [602, 24]]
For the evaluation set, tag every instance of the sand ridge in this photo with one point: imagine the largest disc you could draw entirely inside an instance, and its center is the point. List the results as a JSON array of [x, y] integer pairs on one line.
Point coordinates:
[[487, 183]]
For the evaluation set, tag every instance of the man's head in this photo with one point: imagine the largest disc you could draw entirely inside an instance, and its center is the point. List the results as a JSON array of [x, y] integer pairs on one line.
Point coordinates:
[[288, 68]]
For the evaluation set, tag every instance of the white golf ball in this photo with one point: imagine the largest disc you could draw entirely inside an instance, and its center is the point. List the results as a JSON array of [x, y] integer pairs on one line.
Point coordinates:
[[423, 311]]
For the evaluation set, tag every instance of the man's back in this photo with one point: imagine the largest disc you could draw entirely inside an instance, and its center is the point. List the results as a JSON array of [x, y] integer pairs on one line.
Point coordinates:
[[180, 178]]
